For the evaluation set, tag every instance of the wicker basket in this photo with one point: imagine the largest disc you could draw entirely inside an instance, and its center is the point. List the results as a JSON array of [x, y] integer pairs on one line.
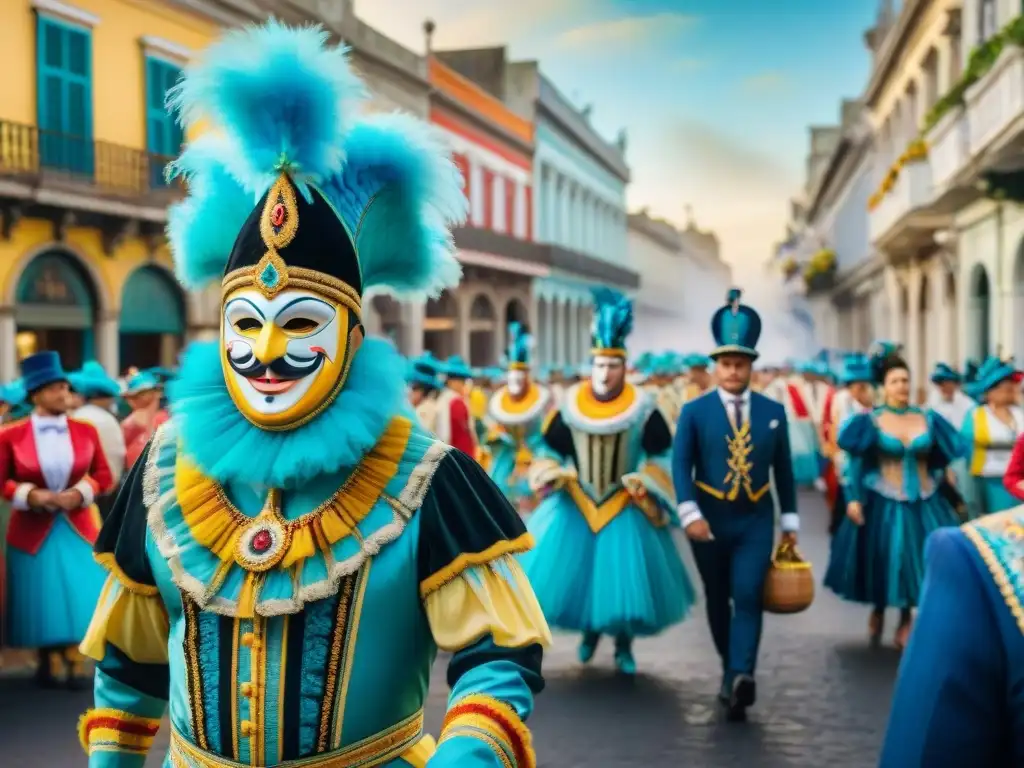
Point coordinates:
[[789, 584]]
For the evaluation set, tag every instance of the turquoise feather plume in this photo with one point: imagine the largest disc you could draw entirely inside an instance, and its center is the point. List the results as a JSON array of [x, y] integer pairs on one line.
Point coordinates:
[[279, 99], [613, 319]]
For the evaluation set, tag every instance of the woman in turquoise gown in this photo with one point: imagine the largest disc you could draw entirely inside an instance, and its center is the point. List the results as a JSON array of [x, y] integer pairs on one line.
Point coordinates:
[[605, 563], [515, 413], [897, 457], [989, 432]]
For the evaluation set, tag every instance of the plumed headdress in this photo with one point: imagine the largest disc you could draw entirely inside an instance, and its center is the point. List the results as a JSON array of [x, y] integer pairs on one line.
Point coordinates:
[[993, 372], [736, 328], [520, 347], [292, 186], [945, 372], [613, 322]]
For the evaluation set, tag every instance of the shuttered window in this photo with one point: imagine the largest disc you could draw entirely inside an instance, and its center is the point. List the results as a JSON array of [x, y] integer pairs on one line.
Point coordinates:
[[164, 136], [64, 84]]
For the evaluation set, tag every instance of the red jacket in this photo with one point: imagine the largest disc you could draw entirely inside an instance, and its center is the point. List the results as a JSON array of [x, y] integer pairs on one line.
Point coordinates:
[[20, 472], [136, 436], [1015, 471], [462, 427]]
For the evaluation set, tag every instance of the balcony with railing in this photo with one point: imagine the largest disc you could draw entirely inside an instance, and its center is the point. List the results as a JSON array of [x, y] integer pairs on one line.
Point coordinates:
[[35, 163], [948, 150], [995, 103], [896, 213]]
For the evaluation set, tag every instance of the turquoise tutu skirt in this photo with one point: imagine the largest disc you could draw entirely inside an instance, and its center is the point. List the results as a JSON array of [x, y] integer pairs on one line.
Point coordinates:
[[881, 563], [627, 579], [52, 594], [502, 472], [992, 496], [803, 446]]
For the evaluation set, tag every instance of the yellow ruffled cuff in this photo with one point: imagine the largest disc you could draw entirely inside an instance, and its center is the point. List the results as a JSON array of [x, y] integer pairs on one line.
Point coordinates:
[[111, 730], [659, 478], [495, 723], [135, 622], [493, 599], [543, 473]]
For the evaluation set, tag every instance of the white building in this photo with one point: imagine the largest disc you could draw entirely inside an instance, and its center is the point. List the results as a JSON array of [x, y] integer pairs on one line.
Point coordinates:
[[682, 282], [942, 267]]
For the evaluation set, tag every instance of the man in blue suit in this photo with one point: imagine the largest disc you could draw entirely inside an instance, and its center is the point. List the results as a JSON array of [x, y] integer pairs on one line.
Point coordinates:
[[728, 444], [959, 698]]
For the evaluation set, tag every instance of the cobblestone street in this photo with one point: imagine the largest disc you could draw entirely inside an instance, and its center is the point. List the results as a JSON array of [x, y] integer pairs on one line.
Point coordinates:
[[823, 698]]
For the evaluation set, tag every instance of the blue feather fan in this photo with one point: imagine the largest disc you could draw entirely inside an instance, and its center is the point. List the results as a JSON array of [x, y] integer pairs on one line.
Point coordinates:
[[280, 100]]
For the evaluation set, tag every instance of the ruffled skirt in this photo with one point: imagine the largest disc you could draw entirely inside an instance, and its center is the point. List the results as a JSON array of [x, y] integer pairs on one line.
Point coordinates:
[[881, 563], [627, 579], [803, 447], [52, 594]]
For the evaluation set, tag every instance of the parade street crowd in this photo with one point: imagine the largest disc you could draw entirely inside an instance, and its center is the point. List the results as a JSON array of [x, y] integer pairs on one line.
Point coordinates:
[[301, 549]]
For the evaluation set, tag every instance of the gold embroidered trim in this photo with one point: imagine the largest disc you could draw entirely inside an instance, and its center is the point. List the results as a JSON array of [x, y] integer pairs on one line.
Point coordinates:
[[299, 278], [998, 571], [466, 560], [193, 675], [348, 654], [217, 524], [341, 619], [109, 563]]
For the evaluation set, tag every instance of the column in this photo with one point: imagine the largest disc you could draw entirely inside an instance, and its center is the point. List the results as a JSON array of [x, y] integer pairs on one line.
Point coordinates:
[[549, 331], [565, 212], [573, 332], [558, 307], [413, 313], [892, 297], [915, 353], [108, 341], [462, 335], [544, 206], [8, 348]]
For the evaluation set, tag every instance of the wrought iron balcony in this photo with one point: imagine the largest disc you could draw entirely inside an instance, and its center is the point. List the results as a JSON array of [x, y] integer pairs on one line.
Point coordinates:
[[34, 159]]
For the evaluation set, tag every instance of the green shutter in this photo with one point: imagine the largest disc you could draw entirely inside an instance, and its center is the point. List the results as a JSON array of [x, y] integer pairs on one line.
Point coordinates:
[[163, 134], [64, 96], [152, 303]]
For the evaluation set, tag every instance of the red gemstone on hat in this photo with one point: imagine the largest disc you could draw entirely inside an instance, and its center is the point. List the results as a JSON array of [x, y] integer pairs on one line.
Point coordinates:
[[262, 541], [277, 215]]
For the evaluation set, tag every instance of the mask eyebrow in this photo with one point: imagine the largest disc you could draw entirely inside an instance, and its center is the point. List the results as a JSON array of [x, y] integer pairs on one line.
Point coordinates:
[[254, 307], [302, 299]]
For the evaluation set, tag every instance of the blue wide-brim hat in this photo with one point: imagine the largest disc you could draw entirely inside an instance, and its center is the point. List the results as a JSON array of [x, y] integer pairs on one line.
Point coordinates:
[[92, 381], [857, 368], [942, 373], [422, 377], [993, 372], [142, 382], [41, 369], [456, 368]]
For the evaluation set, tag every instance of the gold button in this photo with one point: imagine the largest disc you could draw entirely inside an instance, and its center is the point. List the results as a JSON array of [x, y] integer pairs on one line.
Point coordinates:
[[248, 639], [247, 728], [247, 689]]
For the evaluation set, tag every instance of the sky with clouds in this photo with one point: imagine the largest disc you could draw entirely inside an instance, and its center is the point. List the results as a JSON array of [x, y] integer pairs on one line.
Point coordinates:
[[716, 95]]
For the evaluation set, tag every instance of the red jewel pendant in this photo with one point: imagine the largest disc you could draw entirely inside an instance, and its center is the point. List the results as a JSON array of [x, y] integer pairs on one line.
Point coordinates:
[[262, 541], [277, 215]]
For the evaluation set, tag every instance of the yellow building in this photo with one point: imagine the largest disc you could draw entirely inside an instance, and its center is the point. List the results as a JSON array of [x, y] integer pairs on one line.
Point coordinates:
[[84, 137]]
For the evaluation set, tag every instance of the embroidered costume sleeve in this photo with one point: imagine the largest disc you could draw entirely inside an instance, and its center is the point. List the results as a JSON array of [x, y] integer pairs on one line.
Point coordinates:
[[555, 451], [782, 471], [654, 472], [954, 701], [127, 638], [480, 607], [684, 447], [858, 437], [947, 443]]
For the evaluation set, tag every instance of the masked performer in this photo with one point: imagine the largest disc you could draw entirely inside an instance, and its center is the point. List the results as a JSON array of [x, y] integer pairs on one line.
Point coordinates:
[[291, 550], [959, 698], [897, 457], [989, 432], [515, 412], [857, 395], [52, 468], [610, 511]]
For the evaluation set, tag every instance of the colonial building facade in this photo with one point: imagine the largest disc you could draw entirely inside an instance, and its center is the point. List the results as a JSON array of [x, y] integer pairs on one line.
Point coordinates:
[[84, 268], [942, 268], [573, 235]]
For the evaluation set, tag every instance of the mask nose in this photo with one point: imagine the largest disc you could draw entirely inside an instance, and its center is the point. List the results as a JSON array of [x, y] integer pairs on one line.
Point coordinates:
[[270, 344]]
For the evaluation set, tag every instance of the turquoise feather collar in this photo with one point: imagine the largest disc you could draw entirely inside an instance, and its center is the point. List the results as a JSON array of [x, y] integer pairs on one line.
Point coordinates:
[[228, 448]]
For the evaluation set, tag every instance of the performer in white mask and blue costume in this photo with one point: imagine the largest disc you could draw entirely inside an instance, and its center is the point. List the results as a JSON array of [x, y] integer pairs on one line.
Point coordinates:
[[515, 412], [605, 562], [292, 549]]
